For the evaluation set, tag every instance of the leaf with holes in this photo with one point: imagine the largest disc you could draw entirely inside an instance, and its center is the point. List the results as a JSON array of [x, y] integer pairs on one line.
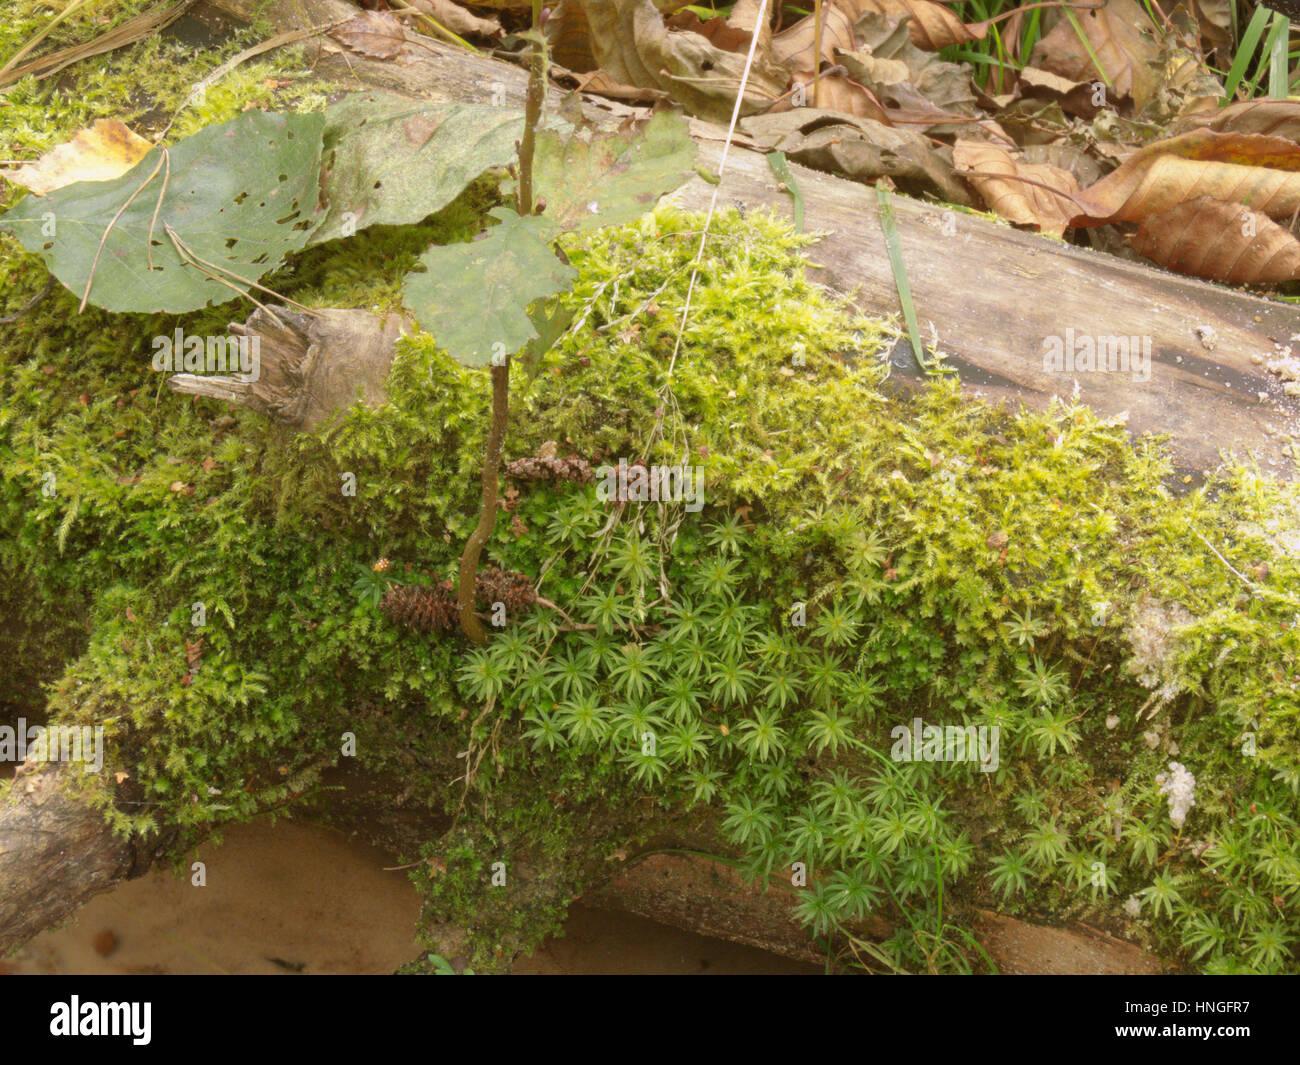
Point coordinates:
[[183, 228], [474, 298], [390, 160], [589, 179]]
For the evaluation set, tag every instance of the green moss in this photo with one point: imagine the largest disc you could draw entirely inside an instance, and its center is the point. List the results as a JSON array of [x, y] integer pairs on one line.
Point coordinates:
[[955, 562], [143, 85]]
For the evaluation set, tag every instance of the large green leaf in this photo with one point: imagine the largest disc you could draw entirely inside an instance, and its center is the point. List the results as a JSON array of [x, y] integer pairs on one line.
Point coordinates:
[[474, 297], [390, 160], [239, 196], [603, 179]]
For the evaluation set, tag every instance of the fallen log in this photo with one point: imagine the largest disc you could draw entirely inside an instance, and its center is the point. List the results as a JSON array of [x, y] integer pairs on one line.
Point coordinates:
[[57, 852], [998, 301], [700, 894]]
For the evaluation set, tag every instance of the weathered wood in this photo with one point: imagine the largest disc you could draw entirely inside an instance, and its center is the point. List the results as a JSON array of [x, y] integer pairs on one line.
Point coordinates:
[[992, 294], [307, 365], [705, 896], [56, 852]]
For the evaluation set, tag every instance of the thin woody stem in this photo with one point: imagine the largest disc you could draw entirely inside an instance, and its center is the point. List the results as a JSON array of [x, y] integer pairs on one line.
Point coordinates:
[[532, 114], [487, 518], [470, 623]]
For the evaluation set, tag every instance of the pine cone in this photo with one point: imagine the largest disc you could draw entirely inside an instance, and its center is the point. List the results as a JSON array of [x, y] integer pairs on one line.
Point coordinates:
[[419, 607], [495, 585], [575, 469]]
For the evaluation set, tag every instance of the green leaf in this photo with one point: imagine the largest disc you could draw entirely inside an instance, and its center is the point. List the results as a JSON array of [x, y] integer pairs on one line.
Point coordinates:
[[603, 179], [392, 161], [551, 319], [474, 297], [240, 195]]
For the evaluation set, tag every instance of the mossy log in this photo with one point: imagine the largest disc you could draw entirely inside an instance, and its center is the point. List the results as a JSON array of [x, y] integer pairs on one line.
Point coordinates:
[[56, 851], [989, 294]]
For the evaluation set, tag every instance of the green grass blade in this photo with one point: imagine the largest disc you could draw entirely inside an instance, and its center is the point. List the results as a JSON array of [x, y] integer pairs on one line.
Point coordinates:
[[1087, 44], [895, 250], [1246, 49], [781, 168], [1279, 79]]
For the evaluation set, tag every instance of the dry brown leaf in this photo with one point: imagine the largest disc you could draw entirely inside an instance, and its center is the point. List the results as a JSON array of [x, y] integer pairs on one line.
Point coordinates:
[[457, 19], [793, 47], [1262, 173], [933, 25], [1220, 241], [598, 83], [1271, 118], [633, 46], [744, 18], [858, 148], [101, 152], [717, 31], [1214, 19], [1116, 34], [1035, 194], [929, 84], [1075, 97], [838, 92], [1065, 156], [377, 34]]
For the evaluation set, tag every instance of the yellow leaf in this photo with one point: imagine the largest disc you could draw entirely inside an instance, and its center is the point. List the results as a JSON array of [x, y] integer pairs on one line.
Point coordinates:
[[101, 152]]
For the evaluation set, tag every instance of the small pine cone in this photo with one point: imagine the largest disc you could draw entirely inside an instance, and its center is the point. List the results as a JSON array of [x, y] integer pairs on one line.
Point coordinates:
[[421, 608], [575, 469], [494, 585]]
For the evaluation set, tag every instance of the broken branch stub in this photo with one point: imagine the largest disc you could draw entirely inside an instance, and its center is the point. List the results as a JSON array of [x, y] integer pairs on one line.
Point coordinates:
[[306, 365]]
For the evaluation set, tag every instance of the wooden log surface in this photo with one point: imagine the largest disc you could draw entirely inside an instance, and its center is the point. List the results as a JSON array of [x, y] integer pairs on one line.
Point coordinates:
[[705, 896], [991, 294], [56, 852]]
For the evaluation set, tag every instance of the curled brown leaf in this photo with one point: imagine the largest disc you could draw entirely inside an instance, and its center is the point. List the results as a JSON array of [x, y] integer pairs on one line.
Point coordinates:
[[1036, 194], [1220, 241]]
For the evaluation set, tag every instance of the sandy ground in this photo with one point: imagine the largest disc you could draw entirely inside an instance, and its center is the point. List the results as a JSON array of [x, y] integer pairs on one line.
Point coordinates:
[[292, 898]]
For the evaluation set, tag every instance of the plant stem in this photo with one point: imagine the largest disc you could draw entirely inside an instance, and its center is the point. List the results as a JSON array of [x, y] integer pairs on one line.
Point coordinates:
[[532, 114], [487, 518]]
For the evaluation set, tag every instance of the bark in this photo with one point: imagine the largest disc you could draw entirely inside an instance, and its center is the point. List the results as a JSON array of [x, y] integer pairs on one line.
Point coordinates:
[[56, 852], [990, 294], [699, 894]]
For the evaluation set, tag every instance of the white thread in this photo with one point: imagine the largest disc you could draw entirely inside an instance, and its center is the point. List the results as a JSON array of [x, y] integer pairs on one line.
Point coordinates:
[[722, 166]]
